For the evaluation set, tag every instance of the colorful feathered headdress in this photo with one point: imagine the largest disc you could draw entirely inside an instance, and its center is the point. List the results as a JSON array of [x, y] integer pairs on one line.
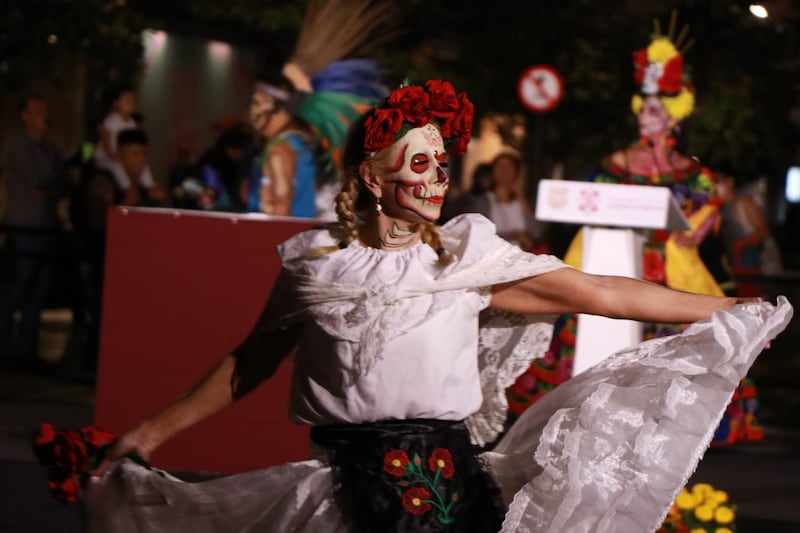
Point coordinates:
[[659, 71]]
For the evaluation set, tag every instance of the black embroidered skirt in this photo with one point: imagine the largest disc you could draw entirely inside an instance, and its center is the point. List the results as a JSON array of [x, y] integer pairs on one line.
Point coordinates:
[[410, 476]]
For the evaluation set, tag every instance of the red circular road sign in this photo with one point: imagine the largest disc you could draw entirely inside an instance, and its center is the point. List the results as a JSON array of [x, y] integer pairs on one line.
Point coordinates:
[[540, 88]]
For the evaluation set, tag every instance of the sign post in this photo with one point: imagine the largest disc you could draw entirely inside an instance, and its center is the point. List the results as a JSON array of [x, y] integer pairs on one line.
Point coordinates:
[[540, 88], [611, 246]]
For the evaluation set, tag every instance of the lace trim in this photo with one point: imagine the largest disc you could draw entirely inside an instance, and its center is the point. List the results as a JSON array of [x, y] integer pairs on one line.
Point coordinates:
[[507, 344], [619, 441]]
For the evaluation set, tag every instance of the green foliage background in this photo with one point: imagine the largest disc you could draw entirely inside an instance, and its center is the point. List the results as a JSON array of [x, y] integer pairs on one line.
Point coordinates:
[[746, 70]]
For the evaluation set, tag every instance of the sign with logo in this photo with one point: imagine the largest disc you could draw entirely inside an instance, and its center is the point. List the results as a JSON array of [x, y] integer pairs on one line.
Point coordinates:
[[607, 204], [540, 88]]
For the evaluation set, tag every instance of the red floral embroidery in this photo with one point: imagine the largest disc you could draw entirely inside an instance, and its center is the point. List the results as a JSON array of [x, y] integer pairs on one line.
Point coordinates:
[[440, 459], [431, 491], [395, 462], [414, 499]]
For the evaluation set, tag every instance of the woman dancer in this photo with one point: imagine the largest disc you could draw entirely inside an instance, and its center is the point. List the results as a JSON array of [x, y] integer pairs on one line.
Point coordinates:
[[400, 373]]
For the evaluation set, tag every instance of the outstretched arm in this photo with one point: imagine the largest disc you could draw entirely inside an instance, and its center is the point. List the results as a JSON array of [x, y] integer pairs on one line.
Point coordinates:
[[232, 378], [571, 291]]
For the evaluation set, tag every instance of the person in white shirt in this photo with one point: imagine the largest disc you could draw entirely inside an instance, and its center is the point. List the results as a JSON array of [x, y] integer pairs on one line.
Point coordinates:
[[120, 118]]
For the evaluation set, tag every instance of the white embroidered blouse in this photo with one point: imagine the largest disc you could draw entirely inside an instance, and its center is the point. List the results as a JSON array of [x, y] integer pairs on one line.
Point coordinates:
[[394, 335]]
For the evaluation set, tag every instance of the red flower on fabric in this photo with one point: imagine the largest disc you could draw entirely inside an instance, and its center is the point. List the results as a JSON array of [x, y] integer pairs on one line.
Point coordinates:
[[653, 265], [414, 500], [670, 81], [381, 128], [414, 103], [441, 459], [395, 462]]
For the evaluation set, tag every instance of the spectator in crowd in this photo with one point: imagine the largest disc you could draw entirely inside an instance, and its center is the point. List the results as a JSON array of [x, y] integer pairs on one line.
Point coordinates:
[[36, 178], [123, 116], [743, 230], [223, 172], [505, 204]]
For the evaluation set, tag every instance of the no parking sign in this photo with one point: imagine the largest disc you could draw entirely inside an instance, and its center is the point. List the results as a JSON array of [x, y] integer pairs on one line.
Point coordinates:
[[540, 88]]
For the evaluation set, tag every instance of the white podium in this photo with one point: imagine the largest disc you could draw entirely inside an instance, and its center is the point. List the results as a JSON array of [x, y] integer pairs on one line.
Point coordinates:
[[612, 245]]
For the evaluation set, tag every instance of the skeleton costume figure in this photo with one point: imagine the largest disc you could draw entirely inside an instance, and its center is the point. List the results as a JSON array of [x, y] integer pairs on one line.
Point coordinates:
[[664, 98], [405, 336]]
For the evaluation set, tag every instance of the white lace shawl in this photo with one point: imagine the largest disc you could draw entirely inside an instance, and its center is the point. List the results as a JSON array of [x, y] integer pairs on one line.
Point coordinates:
[[367, 312]]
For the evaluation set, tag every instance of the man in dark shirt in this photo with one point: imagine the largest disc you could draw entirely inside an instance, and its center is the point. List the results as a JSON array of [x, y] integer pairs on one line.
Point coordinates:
[[35, 175]]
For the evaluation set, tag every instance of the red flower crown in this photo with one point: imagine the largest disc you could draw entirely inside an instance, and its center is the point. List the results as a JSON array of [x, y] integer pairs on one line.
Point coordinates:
[[413, 107]]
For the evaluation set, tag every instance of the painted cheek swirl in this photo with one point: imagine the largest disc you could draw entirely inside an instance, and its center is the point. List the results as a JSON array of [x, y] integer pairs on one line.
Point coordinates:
[[418, 195]]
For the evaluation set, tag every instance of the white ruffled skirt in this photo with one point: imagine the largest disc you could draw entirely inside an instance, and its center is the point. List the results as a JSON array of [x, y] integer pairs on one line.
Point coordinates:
[[605, 451]]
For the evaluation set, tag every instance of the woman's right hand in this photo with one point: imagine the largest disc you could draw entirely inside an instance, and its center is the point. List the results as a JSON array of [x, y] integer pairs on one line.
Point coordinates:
[[138, 441]]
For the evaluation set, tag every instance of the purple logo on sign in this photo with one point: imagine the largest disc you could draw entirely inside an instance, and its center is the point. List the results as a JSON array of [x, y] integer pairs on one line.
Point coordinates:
[[588, 200]]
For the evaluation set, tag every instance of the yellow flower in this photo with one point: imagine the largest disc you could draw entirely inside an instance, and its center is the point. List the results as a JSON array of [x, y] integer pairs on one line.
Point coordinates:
[[701, 489], [661, 50], [698, 530], [721, 496], [679, 107], [724, 515], [704, 513], [636, 104], [686, 501], [722, 530]]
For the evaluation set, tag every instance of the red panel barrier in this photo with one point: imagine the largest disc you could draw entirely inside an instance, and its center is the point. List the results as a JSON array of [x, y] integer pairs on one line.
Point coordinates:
[[182, 289]]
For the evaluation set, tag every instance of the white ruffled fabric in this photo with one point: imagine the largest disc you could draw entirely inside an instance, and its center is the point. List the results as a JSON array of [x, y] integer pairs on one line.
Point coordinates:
[[382, 309], [605, 451]]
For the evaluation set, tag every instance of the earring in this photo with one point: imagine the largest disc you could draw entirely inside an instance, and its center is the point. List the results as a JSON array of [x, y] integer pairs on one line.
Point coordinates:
[[378, 206]]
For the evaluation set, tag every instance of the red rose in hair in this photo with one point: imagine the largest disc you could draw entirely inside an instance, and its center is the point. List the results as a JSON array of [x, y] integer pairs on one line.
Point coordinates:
[[381, 128], [414, 102], [462, 125], [670, 81], [395, 462], [441, 459], [639, 64], [444, 104], [414, 500]]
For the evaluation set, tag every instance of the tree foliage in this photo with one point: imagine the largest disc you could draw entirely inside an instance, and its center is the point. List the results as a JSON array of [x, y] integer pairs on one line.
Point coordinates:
[[745, 69]]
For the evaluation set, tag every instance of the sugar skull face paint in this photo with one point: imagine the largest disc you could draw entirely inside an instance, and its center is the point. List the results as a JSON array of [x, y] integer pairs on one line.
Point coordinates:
[[653, 117], [416, 181]]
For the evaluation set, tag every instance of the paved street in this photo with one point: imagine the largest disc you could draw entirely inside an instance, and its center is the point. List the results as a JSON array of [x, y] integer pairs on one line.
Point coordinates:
[[762, 478]]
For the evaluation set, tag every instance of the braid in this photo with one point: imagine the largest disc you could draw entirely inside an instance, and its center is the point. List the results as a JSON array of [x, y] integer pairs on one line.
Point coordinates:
[[345, 201], [430, 235]]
